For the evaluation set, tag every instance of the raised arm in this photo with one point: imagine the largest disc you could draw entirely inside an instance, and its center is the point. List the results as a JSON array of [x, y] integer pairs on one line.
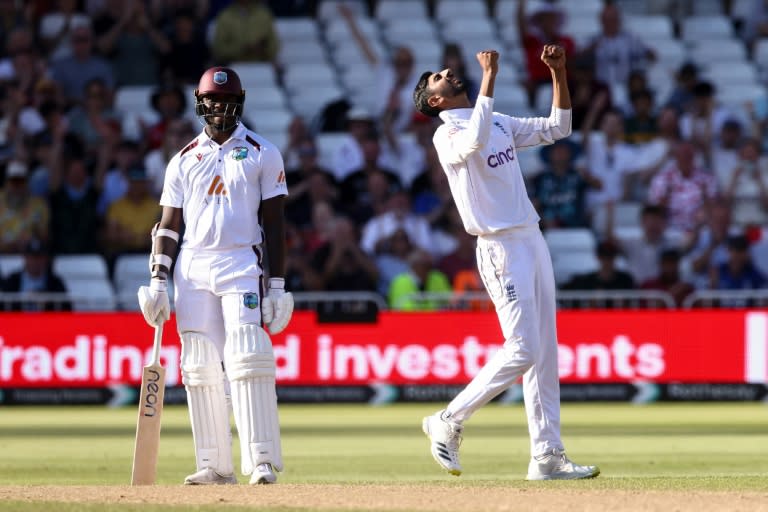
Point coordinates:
[[357, 34]]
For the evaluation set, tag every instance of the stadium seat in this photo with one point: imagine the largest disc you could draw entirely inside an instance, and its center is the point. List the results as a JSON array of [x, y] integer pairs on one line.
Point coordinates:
[[696, 28], [264, 96], [564, 241], [298, 51], [90, 294], [269, 120], [460, 9], [80, 266], [255, 74], [577, 262], [759, 252], [399, 10], [10, 263], [726, 73], [328, 10], [297, 28], [131, 271], [307, 77], [651, 27]]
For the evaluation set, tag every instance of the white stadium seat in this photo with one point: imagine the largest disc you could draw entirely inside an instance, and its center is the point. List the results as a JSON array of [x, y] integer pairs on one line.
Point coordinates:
[[460, 9], [564, 241], [10, 263], [650, 27], [706, 27], [91, 294], [80, 266], [577, 262], [400, 10]]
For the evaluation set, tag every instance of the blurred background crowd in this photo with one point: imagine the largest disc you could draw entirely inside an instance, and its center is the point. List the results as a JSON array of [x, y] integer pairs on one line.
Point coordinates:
[[662, 186]]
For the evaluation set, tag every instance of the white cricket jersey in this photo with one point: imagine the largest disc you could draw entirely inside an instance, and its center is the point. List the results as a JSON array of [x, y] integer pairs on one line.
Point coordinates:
[[220, 188], [478, 150]]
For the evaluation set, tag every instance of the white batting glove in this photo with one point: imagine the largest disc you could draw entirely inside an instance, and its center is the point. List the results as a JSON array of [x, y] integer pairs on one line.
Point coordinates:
[[154, 303], [277, 306]]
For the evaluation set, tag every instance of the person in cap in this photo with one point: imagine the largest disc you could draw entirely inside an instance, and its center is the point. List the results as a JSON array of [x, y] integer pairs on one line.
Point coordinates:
[[22, 216], [228, 187], [35, 277]]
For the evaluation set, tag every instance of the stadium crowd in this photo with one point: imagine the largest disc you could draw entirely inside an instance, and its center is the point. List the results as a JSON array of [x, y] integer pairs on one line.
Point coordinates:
[[377, 216]]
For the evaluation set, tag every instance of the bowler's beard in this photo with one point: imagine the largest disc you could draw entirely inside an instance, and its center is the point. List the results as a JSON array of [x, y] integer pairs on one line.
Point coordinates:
[[460, 89]]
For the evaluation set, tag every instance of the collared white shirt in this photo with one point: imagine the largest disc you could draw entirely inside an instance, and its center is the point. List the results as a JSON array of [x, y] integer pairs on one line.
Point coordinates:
[[220, 188], [478, 150]]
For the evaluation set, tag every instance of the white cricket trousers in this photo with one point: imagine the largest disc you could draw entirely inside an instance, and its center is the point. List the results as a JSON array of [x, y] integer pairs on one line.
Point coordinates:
[[516, 269]]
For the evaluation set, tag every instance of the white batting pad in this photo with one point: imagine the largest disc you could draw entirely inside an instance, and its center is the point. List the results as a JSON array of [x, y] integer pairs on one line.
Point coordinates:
[[203, 377], [251, 370]]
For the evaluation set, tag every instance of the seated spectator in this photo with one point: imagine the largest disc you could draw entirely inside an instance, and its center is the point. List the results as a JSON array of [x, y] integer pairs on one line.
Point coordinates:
[[188, 55], [616, 51], [606, 277], [397, 215], [746, 185], [35, 277], [130, 218], [430, 190], [298, 132], [350, 155], [309, 184], [681, 97], [703, 122], [95, 122], [469, 281], [56, 26], [738, 272], [642, 254], [640, 124], [559, 192], [133, 45], [422, 277], [709, 248], [321, 230], [392, 259], [178, 134], [299, 274], [724, 154], [23, 217], [170, 104], [115, 184], [585, 89], [453, 59], [245, 31], [84, 66], [463, 256], [75, 222], [668, 277], [685, 190], [542, 25], [341, 264]]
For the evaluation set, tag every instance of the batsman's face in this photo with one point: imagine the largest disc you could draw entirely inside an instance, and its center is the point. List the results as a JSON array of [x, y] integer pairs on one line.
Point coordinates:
[[222, 106]]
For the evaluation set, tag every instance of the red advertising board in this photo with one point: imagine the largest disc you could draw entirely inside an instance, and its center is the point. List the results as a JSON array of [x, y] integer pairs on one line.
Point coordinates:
[[93, 350]]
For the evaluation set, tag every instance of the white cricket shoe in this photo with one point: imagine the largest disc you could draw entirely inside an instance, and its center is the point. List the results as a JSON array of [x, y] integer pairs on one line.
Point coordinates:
[[208, 476], [555, 465], [263, 474], [445, 437]]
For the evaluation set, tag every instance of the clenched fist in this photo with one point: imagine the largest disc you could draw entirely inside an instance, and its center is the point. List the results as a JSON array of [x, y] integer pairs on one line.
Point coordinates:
[[553, 56], [489, 61]]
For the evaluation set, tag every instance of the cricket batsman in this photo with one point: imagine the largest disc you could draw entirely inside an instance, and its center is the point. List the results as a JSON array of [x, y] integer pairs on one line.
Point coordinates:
[[227, 186], [477, 148]]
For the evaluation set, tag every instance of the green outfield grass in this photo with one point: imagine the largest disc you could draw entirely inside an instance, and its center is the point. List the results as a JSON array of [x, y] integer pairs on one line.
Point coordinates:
[[658, 447]]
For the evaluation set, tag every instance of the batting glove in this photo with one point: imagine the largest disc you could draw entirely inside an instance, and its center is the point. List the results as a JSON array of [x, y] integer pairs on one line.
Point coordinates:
[[277, 306], [154, 303]]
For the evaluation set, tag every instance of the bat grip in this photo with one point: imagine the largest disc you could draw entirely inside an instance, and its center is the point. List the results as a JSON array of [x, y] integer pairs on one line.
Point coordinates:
[[157, 344]]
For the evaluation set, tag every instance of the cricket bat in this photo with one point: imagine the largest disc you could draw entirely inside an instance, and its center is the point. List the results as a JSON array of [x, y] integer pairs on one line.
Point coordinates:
[[148, 424]]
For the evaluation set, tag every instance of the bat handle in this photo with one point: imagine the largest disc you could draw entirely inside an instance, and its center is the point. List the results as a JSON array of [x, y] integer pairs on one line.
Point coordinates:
[[157, 344]]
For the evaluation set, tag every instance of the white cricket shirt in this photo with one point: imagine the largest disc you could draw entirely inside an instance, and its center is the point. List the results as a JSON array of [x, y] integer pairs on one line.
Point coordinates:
[[220, 188], [478, 150]]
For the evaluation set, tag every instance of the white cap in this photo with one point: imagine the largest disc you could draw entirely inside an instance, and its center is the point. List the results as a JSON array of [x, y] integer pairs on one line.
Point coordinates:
[[16, 169]]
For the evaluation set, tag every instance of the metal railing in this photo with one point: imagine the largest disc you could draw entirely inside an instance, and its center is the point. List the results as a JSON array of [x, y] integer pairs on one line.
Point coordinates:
[[727, 299]]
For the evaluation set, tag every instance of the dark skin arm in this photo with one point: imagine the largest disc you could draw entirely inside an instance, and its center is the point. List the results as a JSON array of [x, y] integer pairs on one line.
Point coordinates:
[[171, 219], [273, 222]]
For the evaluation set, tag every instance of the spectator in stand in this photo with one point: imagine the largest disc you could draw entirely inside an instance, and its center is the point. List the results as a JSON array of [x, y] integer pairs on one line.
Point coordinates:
[[609, 159], [299, 274], [349, 155], [541, 25], [704, 120], [681, 96], [245, 31], [724, 154], [640, 124], [23, 217], [710, 245], [559, 193], [392, 258], [422, 277], [453, 59], [684, 189], [74, 73], [365, 192], [398, 214], [755, 24], [75, 222], [132, 216], [21, 64], [738, 272], [463, 256], [321, 231], [56, 26], [404, 154], [178, 133], [164, 13], [607, 276], [95, 122], [116, 182], [298, 132], [745, 186], [35, 277], [430, 191], [668, 277], [188, 55], [341, 264], [394, 77], [133, 45], [309, 184], [170, 103], [642, 254], [617, 52], [585, 89]]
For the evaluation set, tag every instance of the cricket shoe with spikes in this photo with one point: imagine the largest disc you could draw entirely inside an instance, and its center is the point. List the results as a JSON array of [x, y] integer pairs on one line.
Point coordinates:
[[208, 476], [263, 474], [445, 438], [555, 465]]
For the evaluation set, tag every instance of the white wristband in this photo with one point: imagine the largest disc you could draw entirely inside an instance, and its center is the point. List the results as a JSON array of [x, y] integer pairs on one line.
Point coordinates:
[[276, 283]]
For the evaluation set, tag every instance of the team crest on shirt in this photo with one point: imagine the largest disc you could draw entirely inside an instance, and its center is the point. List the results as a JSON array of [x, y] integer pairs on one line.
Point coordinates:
[[251, 300], [240, 153]]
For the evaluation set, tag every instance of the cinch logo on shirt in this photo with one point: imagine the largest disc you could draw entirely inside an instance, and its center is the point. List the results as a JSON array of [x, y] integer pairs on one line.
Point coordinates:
[[217, 187], [502, 157]]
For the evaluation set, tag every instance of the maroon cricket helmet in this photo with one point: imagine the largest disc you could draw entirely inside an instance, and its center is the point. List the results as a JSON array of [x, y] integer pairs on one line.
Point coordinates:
[[220, 80]]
